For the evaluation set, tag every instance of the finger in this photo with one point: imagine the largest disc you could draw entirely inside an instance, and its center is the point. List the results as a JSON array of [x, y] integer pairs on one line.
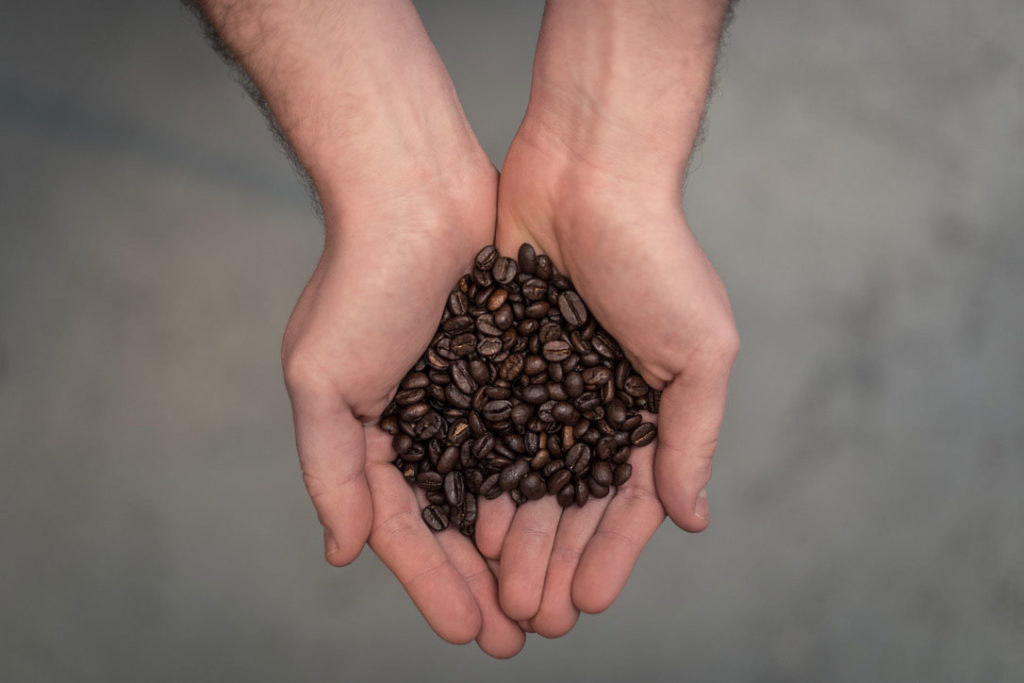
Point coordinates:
[[410, 550], [332, 452], [557, 614], [499, 636], [632, 517], [525, 555], [688, 422], [492, 522]]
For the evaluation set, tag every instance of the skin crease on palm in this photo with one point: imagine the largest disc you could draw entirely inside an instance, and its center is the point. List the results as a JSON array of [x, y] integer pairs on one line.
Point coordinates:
[[409, 198]]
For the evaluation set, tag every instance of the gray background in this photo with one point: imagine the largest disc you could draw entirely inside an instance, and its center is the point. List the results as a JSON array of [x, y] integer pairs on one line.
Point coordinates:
[[861, 193]]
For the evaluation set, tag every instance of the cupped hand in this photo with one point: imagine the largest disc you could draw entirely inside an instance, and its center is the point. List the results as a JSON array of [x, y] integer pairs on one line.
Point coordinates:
[[364, 318], [628, 250]]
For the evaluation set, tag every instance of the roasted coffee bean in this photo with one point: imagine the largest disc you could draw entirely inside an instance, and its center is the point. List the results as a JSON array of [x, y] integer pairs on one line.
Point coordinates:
[[622, 473], [567, 495], [414, 412], [557, 350], [429, 426], [485, 326], [513, 474], [605, 448], [540, 459], [537, 310], [488, 346], [487, 257], [532, 486], [643, 435], [415, 380], [654, 401], [527, 259], [401, 443], [448, 460], [429, 481], [555, 372], [462, 378], [565, 413], [454, 488], [512, 366], [631, 422], [571, 306], [476, 424], [458, 324], [414, 454], [505, 270], [582, 492], [497, 410], [520, 414], [597, 490], [483, 445], [389, 424], [601, 473], [578, 458], [435, 497], [497, 299], [457, 398], [490, 488], [573, 383], [535, 289], [556, 391], [479, 372], [544, 267], [459, 432], [604, 346], [458, 303], [503, 317], [558, 480], [597, 375], [435, 517], [635, 386]]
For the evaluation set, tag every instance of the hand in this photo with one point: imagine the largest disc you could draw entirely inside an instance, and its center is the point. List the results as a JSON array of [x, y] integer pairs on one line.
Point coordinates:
[[369, 309], [627, 248]]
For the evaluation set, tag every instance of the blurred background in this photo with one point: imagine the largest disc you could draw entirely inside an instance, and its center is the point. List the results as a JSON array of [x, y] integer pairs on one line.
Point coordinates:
[[861, 193]]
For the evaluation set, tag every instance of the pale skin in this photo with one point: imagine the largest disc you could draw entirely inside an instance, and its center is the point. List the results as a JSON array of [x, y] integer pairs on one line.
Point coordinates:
[[592, 179]]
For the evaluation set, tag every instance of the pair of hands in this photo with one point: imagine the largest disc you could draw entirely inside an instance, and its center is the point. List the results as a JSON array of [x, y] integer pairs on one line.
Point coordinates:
[[372, 306]]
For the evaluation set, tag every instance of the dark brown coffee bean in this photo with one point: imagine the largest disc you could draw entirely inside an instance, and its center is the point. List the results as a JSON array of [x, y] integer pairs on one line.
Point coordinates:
[[540, 459], [601, 473], [574, 384], [483, 445], [571, 306], [564, 412], [556, 391], [643, 435], [462, 378], [435, 518], [520, 414], [615, 413], [597, 490], [559, 480], [486, 258], [490, 488], [527, 259], [497, 410], [605, 448], [402, 443], [557, 350], [578, 458], [567, 496], [389, 424], [505, 270], [654, 401], [485, 326], [414, 454], [631, 422], [532, 486], [597, 375], [457, 398], [488, 346], [534, 365], [459, 432], [544, 267], [414, 412], [537, 310], [435, 497], [587, 401], [535, 289], [527, 327], [435, 361], [635, 386], [512, 366], [622, 473], [555, 372], [503, 317], [604, 346], [415, 380], [430, 426], [513, 474], [479, 372], [458, 324], [429, 481], [535, 394], [448, 460], [454, 488], [582, 493], [476, 424], [458, 303]]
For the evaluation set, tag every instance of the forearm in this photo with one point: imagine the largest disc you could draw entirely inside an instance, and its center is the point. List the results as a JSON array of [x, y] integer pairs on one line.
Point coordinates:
[[357, 89], [621, 86]]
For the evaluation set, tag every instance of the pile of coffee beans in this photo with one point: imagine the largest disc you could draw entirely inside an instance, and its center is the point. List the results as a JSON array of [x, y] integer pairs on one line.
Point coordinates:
[[520, 391]]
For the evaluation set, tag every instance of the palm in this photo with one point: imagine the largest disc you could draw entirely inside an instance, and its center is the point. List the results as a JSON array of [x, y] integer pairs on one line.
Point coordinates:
[[646, 280], [363, 319]]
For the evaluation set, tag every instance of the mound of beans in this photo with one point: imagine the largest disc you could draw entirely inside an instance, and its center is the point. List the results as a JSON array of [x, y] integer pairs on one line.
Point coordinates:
[[520, 392]]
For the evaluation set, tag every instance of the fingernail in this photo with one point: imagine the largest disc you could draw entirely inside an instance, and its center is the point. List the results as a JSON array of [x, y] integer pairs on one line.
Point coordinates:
[[700, 508]]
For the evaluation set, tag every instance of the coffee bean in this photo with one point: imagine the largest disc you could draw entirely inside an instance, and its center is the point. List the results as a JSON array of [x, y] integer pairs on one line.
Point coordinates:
[[415, 380], [401, 443], [567, 495], [458, 324], [512, 366], [483, 445], [454, 488], [635, 386], [456, 397], [414, 412], [596, 375], [574, 384], [429, 481], [488, 346], [578, 458], [527, 259], [615, 413], [389, 424], [487, 257], [606, 448], [532, 486], [540, 459], [435, 518], [497, 299], [497, 410], [643, 435], [459, 432], [597, 490], [429, 426], [631, 422], [604, 346], [448, 460], [571, 306], [601, 473], [544, 267], [622, 473], [513, 474], [582, 493], [504, 317], [558, 480], [458, 303], [556, 350], [535, 289], [490, 488], [505, 270]]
